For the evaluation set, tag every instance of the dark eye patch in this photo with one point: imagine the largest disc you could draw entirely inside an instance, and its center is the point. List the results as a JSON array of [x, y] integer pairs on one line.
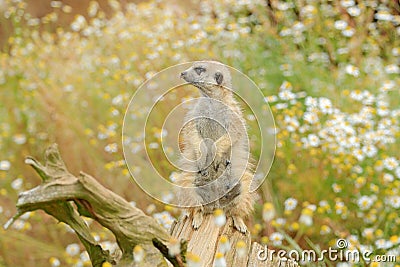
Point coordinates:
[[199, 70]]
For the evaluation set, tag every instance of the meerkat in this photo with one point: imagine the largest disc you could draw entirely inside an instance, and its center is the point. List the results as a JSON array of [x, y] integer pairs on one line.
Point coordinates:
[[215, 149]]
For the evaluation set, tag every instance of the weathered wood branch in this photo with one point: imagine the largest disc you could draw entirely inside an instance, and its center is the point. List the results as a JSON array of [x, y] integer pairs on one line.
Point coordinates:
[[67, 198], [60, 189], [206, 243]]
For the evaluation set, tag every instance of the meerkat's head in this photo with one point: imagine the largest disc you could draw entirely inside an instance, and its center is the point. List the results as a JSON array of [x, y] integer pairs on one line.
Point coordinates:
[[211, 77]]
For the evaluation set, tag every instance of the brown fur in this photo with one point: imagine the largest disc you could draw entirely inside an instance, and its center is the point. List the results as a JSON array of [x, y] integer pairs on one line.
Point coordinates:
[[217, 147]]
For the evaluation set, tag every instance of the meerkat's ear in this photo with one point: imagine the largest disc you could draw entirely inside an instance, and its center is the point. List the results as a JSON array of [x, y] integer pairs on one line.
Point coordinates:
[[219, 77]]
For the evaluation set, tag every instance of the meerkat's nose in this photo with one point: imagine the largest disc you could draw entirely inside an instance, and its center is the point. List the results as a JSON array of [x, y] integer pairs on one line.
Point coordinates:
[[183, 74]]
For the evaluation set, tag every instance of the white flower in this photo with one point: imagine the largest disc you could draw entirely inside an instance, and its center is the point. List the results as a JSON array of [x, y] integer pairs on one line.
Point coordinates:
[[290, 204], [354, 11], [348, 32], [298, 27], [357, 169], [118, 100], [93, 8], [358, 153], [390, 163], [17, 183], [219, 260], [336, 188], [306, 219], [224, 245], [369, 150], [357, 95], [310, 117], [340, 25], [352, 70], [154, 145], [285, 32], [311, 102], [268, 212], [325, 105], [19, 139], [73, 249], [219, 217], [387, 86], [368, 232], [365, 202], [283, 5], [79, 23], [387, 177], [397, 172], [394, 201], [292, 123], [281, 105], [276, 238], [392, 69], [286, 95], [84, 256], [54, 262], [193, 260], [308, 11], [111, 148], [5, 165], [382, 243], [56, 4], [174, 247], [347, 3], [383, 15], [313, 140], [286, 86], [396, 51], [164, 218], [138, 253], [270, 99], [241, 249], [280, 222], [343, 51]]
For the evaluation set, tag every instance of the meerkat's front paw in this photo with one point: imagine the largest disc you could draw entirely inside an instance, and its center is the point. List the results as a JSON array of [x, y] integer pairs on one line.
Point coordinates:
[[197, 220], [184, 215], [238, 223]]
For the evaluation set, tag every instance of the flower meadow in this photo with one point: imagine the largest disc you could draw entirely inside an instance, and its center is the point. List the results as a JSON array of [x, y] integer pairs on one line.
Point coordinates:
[[328, 69]]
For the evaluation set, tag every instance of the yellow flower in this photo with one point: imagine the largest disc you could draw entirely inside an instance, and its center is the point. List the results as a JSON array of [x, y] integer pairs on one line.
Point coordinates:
[[325, 229], [395, 239], [219, 217], [138, 253], [295, 226], [268, 212], [241, 248], [224, 245], [193, 260], [379, 233]]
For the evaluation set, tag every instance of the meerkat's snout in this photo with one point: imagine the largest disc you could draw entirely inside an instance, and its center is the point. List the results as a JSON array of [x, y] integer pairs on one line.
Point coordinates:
[[183, 74]]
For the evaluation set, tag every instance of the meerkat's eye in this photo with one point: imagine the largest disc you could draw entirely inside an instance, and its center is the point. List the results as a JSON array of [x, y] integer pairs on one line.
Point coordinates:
[[199, 70]]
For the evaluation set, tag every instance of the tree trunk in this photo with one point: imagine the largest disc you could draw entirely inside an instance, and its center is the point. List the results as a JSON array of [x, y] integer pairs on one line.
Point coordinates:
[[130, 226]]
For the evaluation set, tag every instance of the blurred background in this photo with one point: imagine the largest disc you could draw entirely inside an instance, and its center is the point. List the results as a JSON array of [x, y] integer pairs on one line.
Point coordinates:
[[329, 69]]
